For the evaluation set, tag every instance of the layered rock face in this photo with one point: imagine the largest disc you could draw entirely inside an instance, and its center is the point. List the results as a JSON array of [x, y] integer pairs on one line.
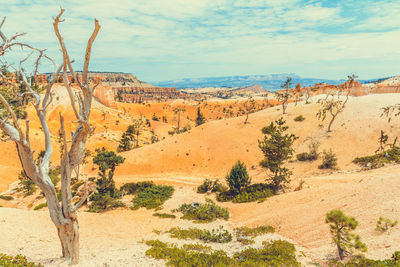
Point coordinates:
[[122, 87]]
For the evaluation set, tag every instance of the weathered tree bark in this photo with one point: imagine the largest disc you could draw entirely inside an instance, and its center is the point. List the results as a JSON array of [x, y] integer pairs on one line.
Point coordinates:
[[64, 215]]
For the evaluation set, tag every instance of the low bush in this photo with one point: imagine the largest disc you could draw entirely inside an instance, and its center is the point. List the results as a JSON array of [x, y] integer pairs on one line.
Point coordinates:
[[207, 212], [6, 198], [275, 253], [329, 160], [378, 160], [18, 261], [152, 197], [251, 193], [219, 235], [312, 153], [299, 118], [253, 232], [164, 215], [133, 188], [211, 186], [176, 256], [40, 206]]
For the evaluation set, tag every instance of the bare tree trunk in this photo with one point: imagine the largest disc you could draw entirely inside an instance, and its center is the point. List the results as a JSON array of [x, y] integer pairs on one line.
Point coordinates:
[[284, 106], [69, 238], [330, 123], [247, 117]]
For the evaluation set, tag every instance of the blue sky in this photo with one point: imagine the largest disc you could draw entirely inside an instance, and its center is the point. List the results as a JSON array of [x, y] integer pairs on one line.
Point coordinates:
[[171, 39]]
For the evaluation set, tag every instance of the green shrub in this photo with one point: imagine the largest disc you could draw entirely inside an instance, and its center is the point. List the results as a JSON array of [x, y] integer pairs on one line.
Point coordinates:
[[133, 188], [40, 206], [383, 224], [207, 212], [312, 153], [253, 232], [152, 197], [251, 193], [219, 235], [329, 160], [105, 202], [275, 253], [17, 261], [378, 160], [185, 257], [7, 198], [164, 215], [299, 118], [362, 261]]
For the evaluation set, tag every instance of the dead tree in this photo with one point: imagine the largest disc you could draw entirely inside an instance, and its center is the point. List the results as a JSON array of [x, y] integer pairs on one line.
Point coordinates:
[[63, 215]]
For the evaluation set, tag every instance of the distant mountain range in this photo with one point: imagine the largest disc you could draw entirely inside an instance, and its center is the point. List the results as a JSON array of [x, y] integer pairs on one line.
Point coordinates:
[[270, 82]]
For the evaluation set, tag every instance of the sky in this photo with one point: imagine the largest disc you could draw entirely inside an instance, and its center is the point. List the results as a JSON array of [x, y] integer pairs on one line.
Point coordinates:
[[160, 40]]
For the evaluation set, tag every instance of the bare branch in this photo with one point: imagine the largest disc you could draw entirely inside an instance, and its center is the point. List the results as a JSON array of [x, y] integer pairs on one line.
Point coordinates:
[[89, 50]]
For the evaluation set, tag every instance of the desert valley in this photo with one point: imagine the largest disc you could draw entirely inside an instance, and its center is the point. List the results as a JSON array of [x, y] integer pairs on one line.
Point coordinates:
[[295, 175]]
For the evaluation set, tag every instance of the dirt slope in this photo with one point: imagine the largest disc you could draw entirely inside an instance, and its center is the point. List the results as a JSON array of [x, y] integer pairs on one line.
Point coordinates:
[[211, 149]]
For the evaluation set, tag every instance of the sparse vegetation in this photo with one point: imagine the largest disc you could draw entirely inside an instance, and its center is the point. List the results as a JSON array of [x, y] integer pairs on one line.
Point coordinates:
[[341, 227], [152, 197], [329, 160], [219, 235], [384, 224], [207, 212], [312, 153], [277, 149], [386, 153], [16, 261]]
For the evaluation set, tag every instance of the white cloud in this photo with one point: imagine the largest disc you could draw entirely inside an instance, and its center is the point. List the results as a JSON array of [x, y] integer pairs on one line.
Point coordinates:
[[190, 37]]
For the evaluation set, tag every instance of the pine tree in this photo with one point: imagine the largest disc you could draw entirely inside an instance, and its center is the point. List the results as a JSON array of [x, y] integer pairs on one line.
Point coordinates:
[[238, 178], [200, 118], [341, 227], [125, 143], [277, 149]]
